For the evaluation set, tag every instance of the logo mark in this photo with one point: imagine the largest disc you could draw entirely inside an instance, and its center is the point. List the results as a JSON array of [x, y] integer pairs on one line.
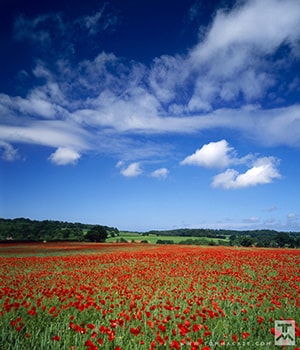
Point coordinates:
[[284, 332]]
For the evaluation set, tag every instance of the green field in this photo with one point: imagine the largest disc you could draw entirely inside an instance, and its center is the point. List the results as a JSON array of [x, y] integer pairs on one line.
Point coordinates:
[[152, 239]]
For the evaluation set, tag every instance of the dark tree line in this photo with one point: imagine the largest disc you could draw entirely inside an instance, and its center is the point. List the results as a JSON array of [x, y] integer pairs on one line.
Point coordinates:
[[22, 229], [267, 238]]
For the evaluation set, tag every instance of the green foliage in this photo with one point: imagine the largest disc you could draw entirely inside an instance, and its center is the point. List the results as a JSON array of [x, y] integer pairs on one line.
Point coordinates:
[[283, 239], [96, 234], [247, 241], [164, 241], [199, 241], [22, 229]]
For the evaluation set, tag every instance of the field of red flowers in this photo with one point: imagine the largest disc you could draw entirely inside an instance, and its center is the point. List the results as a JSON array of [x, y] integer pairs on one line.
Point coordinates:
[[97, 296]]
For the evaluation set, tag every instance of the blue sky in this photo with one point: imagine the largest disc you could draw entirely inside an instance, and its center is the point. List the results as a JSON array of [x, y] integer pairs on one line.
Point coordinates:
[[151, 114]]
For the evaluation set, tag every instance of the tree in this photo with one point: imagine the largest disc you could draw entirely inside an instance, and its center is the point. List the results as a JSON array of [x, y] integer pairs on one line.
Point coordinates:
[[247, 242], [282, 239], [96, 234]]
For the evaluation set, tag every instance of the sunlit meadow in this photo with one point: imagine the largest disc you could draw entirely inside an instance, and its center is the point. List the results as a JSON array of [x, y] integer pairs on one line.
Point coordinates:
[[134, 296]]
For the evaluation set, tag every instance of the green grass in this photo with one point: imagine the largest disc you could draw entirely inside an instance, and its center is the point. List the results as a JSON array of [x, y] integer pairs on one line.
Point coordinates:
[[152, 239]]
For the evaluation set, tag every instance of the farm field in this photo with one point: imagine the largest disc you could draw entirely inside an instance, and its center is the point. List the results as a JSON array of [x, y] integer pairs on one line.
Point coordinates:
[[142, 296], [152, 239]]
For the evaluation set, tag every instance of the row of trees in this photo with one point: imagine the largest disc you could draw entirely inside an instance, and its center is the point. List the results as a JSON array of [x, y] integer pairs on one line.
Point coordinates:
[[247, 238], [277, 239], [22, 229]]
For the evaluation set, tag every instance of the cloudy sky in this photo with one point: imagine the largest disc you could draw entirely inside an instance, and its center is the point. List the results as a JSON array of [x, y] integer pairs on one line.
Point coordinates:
[[151, 114]]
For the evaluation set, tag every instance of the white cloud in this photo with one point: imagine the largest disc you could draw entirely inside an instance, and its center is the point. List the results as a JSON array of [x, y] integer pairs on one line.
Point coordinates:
[[160, 173], [255, 25], [37, 29], [273, 208], [9, 152], [212, 155], [167, 74], [234, 63], [263, 171], [92, 22], [35, 106], [132, 170], [120, 164], [292, 216], [231, 57], [40, 28], [64, 156], [47, 133], [100, 20], [219, 154], [252, 220]]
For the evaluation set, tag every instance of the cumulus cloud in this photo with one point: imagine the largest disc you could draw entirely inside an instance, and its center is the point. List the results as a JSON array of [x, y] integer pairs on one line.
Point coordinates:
[[263, 171], [132, 170], [160, 173], [64, 156], [212, 155], [219, 154]]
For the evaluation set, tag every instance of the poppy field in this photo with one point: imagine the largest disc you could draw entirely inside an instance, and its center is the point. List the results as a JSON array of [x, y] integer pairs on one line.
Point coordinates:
[[134, 296]]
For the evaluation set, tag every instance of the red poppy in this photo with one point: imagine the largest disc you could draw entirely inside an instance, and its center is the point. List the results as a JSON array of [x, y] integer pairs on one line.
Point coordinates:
[[56, 338]]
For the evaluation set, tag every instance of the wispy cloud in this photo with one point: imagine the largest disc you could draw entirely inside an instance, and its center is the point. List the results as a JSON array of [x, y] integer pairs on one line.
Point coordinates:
[[273, 208], [251, 220], [45, 30], [38, 29], [292, 216], [231, 58], [9, 153], [221, 82], [98, 21], [46, 133]]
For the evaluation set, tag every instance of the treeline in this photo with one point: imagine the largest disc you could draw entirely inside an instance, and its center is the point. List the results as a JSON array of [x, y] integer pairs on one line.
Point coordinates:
[[266, 238], [22, 229], [259, 238]]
